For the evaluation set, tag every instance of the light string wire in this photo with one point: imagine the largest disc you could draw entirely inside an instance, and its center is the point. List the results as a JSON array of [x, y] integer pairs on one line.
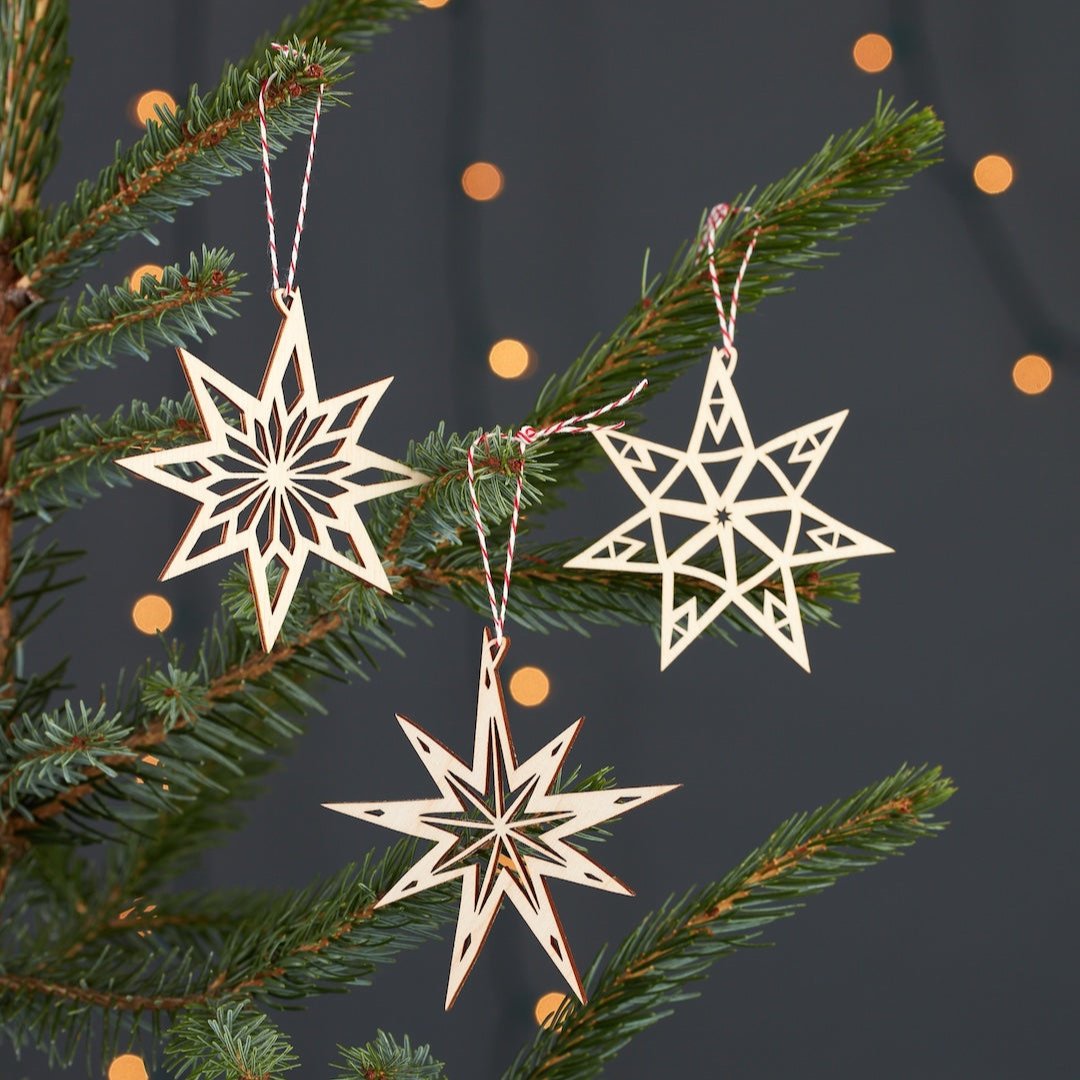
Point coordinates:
[[717, 215], [285, 50], [526, 436]]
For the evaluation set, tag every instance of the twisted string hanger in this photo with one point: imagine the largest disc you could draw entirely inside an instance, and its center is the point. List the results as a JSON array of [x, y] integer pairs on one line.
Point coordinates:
[[727, 318], [285, 50], [574, 425]]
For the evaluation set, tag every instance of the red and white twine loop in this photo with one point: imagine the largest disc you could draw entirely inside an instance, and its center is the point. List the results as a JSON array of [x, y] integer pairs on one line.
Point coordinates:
[[285, 50], [727, 319], [525, 436]]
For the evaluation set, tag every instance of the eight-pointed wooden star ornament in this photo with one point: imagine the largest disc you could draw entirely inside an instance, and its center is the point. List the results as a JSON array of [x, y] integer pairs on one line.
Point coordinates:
[[499, 827], [283, 479], [717, 501]]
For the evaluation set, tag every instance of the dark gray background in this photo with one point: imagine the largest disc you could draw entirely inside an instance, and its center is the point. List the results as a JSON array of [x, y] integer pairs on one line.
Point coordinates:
[[615, 125]]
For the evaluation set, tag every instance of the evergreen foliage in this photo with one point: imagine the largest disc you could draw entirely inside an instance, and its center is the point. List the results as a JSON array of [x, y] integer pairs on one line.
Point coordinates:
[[104, 804]]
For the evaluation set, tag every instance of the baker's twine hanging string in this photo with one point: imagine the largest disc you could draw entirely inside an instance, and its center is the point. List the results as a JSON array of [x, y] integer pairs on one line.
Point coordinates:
[[285, 50], [727, 319], [574, 425]]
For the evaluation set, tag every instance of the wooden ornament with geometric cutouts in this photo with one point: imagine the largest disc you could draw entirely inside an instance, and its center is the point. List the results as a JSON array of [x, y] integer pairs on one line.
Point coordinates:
[[696, 506], [499, 827], [280, 481]]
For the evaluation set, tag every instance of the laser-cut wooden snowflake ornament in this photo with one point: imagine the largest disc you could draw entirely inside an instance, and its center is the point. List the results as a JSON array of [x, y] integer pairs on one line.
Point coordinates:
[[499, 827], [696, 506], [283, 480]]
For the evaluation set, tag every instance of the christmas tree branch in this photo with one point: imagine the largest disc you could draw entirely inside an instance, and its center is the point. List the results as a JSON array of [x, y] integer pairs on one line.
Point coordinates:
[[204, 142], [654, 967], [798, 220], [344, 24], [33, 66], [61, 466], [286, 948], [235, 1042], [119, 321]]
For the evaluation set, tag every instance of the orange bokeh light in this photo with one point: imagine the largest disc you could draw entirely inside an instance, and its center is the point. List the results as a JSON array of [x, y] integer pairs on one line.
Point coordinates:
[[146, 105], [547, 1006], [1032, 374], [127, 1067], [151, 614], [482, 181], [872, 53], [509, 358], [529, 686], [993, 174]]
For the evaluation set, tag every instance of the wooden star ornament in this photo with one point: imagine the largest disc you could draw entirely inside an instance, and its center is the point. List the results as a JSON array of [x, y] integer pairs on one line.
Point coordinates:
[[709, 506], [279, 476], [501, 828]]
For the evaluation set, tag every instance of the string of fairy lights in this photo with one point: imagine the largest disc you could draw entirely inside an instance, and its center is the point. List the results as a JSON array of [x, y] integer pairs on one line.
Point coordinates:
[[993, 174]]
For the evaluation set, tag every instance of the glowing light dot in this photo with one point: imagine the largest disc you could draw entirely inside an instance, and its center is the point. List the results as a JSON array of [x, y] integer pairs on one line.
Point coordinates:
[[482, 181], [151, 270], [434, 3], [1032, 374], [529, 686], [509, 358], [547, 1006], [872, 52], [993, 174], [128, 1067], [146, 105], [151, 614]]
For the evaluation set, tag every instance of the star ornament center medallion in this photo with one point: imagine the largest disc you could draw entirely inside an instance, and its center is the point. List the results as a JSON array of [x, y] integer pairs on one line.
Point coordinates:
[[501, 828], [279, 476], [725, 522]]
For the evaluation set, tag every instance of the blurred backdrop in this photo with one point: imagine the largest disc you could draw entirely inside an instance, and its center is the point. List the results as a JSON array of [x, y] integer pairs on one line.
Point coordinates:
[[611, 126]]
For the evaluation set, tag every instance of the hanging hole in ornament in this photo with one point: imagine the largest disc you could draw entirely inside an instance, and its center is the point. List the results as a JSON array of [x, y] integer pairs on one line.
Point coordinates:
[[281, 300]]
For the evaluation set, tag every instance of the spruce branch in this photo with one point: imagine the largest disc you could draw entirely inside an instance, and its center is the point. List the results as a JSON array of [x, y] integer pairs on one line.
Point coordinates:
[[385, 1059], [673, 948], [118, 321], [315, 940], [63, 465], [44, 756], [182, 154], [344, 24], [34, 66], [234, 1042]]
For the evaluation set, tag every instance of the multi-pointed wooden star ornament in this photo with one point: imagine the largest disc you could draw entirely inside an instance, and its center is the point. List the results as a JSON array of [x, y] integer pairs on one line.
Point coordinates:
[[737, 507], [282, 480], [499, 827]]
